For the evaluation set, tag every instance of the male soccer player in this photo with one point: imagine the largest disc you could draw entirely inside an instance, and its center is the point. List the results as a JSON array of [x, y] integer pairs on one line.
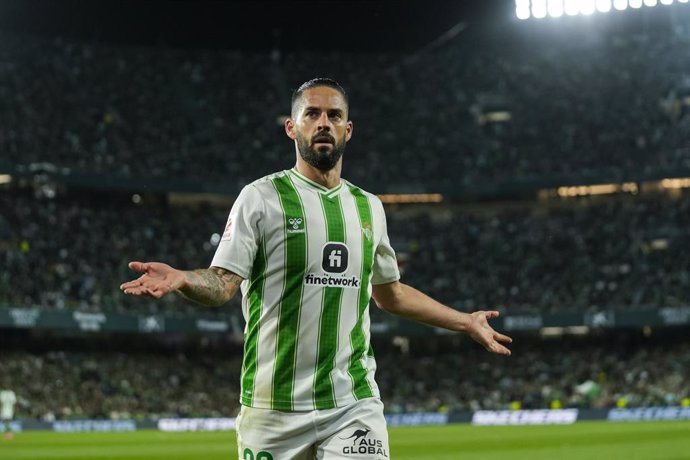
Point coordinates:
[[308, 250], [7, 401]]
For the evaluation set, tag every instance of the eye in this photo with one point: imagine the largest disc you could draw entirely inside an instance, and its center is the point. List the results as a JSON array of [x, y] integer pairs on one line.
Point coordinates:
[[312, 114], [336, 115]]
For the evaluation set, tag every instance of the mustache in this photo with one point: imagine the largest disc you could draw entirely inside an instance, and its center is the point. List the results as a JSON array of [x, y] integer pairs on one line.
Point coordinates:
[[321, 137]]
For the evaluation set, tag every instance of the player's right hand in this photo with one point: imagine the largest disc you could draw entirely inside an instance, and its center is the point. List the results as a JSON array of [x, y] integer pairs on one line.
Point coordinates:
[[158, 279]]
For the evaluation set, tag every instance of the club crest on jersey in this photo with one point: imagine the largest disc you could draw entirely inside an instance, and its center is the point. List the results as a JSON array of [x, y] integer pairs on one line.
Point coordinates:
[[367, 231], [295, 225]]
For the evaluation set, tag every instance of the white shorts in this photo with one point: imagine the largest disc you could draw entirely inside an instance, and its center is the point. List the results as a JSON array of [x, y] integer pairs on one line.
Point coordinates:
[[357, 431]]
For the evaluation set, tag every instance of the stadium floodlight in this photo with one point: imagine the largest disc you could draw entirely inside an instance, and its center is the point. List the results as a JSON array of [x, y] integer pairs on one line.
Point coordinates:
[[555, 8], [603, 6], [539, 8], [587, 7], [522, 9], [572, 7]]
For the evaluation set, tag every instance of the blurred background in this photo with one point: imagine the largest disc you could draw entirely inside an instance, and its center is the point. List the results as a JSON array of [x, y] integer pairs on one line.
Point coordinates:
[[533, 156]]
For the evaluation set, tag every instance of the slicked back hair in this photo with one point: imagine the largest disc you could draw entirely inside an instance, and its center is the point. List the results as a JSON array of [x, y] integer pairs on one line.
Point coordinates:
[[315, 83]]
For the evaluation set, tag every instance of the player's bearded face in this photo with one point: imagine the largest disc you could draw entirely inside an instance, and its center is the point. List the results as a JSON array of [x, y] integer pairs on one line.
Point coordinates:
[[322, 150]]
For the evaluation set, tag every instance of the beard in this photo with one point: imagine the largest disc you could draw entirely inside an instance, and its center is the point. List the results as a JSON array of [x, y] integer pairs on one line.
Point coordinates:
[[322, 158]]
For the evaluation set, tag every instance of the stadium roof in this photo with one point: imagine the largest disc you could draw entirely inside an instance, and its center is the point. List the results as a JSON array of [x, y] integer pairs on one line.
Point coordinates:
[[355, 25]]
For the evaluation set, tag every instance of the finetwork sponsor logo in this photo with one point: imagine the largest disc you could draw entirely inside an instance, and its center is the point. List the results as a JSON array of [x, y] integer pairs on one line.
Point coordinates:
[[335, 258], [525, 417], [362, 443], [329, 280]]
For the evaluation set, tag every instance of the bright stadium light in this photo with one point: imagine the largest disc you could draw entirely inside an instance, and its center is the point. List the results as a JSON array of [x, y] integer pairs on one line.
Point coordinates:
[[572, 7], [525, 9], [539, 8], [555, 8], [587, 7], [603, 6], [522, 9]]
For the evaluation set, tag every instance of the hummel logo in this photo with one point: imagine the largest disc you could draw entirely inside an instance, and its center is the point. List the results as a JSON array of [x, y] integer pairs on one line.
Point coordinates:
[[295, 222], [295, 225]]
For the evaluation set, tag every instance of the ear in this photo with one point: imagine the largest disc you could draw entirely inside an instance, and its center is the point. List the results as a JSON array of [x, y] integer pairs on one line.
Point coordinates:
[[290, 128], [348, 130]]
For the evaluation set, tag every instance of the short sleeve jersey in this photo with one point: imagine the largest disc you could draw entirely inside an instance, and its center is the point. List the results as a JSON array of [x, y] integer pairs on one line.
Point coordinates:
[[309, 256]]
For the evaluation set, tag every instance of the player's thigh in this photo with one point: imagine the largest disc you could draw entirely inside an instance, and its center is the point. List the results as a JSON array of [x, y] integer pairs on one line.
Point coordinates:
[[264, 434], [361, 434]]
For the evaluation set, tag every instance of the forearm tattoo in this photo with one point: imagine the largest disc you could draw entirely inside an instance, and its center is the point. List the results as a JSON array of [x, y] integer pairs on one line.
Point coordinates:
[[211, 286]]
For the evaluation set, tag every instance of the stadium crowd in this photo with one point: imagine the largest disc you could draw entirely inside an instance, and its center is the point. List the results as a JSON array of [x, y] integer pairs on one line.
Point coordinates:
[[116, 385], [608, 104], [83, 244], [586, 254]]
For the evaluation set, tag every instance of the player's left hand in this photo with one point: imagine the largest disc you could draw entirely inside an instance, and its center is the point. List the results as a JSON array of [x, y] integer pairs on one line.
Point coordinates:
[[480, 330]]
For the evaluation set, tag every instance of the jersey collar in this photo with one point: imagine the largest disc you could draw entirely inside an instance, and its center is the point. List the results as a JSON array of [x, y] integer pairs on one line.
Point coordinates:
[[329, 192]]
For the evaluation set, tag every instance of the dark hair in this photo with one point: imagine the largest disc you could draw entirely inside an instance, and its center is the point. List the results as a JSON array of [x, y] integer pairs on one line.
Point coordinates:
[[314, 83]]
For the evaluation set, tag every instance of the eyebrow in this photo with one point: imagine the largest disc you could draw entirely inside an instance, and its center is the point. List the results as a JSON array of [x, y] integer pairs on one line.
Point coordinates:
[[333, 110]]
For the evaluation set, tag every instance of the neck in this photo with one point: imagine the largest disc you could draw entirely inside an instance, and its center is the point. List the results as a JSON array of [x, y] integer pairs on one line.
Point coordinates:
[[329, 179]]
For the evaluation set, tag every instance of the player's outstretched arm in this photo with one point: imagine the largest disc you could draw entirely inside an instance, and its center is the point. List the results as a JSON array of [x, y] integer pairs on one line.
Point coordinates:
[[208, 286], [408, 302]]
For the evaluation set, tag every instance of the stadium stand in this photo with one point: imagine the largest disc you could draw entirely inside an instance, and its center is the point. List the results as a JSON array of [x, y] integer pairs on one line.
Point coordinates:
[[585, 254], [435, 375], [129, 124], [214, 116]]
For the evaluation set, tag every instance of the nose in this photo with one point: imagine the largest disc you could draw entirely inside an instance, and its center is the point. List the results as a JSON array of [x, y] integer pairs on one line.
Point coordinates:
[[324, 123]]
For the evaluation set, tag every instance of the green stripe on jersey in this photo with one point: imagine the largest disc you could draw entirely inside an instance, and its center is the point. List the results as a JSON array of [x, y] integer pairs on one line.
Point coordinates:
[[251, 340], [362, 389], [295, 265], [324, 397]]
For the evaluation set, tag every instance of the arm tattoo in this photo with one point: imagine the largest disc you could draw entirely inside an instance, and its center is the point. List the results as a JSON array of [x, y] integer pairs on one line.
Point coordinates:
[[211, 286]]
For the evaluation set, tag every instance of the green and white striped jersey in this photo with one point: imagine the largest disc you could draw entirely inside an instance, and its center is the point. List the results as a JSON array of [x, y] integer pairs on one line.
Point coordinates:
[[309, 256]]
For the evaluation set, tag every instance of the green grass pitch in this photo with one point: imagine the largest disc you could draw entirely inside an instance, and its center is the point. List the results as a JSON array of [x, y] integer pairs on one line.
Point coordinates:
[[584, 440]]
